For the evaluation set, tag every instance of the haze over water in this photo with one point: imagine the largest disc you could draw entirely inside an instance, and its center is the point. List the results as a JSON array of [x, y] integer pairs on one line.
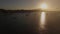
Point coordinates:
[[29, 20]]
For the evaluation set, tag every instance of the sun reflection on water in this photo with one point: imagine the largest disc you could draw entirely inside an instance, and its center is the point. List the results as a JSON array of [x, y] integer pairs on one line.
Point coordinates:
[[42, 20]]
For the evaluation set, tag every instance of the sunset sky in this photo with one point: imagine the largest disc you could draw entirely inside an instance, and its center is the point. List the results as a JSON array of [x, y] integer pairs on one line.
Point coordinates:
[[29, 4]]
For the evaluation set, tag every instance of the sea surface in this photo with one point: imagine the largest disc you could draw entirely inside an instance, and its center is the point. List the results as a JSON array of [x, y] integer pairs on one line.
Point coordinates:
[[30, 23]]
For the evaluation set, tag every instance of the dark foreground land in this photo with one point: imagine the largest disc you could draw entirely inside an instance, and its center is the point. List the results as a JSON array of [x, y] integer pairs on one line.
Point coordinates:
[[27, 22]]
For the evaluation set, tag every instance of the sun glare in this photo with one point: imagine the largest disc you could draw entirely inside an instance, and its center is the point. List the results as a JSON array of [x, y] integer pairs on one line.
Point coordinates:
[[43, 6], [42, 20]]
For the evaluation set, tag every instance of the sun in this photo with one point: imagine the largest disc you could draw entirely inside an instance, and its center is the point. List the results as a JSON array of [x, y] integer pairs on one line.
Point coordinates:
[[43, 6]]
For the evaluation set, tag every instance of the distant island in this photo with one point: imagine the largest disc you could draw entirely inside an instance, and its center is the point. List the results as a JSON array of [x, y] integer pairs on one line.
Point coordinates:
[[15, 11]]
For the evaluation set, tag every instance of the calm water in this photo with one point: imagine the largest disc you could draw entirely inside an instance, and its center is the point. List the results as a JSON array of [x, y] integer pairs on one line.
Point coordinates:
[[31, 23]]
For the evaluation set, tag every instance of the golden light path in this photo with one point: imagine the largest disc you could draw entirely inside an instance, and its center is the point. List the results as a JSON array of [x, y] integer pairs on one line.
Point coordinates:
[[42, 20], [43, 15], [43, 7]]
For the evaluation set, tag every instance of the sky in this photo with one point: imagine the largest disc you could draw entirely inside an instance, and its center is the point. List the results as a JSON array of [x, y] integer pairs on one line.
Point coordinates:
[[29, 4]]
